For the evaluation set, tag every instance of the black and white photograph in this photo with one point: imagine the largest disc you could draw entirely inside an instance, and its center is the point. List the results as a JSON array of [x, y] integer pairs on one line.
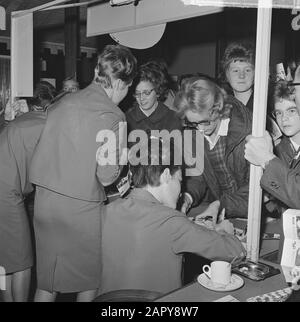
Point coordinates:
[[138, 138]]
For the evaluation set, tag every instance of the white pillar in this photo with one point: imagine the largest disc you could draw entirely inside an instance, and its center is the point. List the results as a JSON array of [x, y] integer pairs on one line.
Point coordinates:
[[263, 37]]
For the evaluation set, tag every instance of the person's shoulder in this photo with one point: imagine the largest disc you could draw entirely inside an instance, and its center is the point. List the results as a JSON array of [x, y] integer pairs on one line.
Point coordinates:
[[236, 104], [170, 115], [171, 213], [239, 111], [283, 145], [28, 119], [130, 111]]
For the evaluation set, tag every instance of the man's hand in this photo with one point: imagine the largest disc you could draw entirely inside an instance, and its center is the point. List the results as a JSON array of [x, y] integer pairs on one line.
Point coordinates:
[[187, 201], [211, 211], [259, 150], [226, 226]]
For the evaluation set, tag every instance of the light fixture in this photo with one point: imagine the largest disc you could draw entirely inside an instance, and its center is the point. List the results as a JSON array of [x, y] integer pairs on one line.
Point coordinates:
[[2, 18], [120, 2]]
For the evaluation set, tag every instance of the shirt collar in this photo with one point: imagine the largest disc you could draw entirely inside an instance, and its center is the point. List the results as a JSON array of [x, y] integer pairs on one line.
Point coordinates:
[[142, 194], [223, 131], [296, 146]]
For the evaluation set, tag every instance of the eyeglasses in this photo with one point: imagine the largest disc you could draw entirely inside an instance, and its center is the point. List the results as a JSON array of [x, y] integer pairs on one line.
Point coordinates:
[[144, 93], [290, 112], [195, 125]]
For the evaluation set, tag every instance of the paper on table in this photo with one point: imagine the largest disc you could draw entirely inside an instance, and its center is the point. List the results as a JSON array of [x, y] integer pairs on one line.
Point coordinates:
[[291, 247], [227, 298]]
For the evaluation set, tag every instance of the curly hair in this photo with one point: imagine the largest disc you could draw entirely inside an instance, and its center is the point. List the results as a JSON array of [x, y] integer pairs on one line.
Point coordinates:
[[199, 94], [44, 94], [282, 90], [154, 73], [236, 52], [115, 62]]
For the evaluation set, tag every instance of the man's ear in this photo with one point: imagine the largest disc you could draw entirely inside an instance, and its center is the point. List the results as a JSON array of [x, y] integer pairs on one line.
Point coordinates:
[[118, 84], [297, 80], [165, 176]]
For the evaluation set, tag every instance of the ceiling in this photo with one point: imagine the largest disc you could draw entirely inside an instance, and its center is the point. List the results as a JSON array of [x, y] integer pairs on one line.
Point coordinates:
[[49, 24]]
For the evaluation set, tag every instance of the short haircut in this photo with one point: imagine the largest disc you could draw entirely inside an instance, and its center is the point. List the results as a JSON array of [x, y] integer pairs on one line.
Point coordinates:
[[235, 51], [149, 170], [283, 90], [44, 91], [115, 62], [155, 73], [74, 82], [199, 94], [293, 64]]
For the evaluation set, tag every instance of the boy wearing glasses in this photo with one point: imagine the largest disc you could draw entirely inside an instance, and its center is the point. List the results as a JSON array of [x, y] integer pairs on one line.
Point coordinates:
[[225, 123], [281, 175]]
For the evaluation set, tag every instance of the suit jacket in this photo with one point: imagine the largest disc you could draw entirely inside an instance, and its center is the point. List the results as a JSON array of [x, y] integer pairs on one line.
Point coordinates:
[[17, 141], [281, 177], [206, 185], [65, 158], [143, 243]]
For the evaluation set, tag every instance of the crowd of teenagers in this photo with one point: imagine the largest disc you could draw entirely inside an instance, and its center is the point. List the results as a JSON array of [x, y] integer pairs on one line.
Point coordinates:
[[79, 242]]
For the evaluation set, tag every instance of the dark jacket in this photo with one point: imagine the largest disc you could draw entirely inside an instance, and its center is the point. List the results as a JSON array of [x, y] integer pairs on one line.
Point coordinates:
[[143, 243], [161, 119], [281, 177], [17, 143], [271, 124], [236, 204]]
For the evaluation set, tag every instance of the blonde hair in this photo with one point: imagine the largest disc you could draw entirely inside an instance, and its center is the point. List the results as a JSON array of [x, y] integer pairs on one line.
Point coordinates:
[[199, 94]]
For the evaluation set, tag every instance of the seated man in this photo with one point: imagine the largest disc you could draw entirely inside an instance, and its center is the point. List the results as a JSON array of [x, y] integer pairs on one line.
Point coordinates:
[[225, 123], [144, 237], [281, 177]]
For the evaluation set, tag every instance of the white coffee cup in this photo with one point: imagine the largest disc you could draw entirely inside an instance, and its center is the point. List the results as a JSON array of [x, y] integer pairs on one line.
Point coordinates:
[[219, 272], [295, 272]]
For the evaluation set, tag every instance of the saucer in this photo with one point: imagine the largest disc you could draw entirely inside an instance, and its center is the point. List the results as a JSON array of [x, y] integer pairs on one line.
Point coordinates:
[[235, 283]]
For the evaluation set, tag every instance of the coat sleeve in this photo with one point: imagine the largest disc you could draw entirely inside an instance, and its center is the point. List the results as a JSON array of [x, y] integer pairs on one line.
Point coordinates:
[[192, 238], [196, 186], [282, 182], [109, 173], [236, 204]]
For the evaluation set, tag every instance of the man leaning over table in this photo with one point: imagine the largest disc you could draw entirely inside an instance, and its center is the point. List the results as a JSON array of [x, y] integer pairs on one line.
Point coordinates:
[[144, 237]]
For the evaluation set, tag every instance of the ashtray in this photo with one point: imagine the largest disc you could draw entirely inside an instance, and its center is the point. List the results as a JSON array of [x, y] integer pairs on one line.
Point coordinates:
[[255, 271]]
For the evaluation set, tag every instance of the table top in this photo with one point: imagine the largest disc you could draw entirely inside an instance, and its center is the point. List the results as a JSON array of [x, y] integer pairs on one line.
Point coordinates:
[[195, 292]]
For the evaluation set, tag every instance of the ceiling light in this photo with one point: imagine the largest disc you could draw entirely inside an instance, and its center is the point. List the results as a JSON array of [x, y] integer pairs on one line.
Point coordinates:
[[120, 2]]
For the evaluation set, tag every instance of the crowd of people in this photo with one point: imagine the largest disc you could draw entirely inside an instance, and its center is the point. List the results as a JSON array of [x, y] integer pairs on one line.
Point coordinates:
[[72, 145]]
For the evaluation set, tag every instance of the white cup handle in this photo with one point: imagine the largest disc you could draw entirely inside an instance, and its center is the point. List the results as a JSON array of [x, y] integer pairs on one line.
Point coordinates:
[[206, 270]]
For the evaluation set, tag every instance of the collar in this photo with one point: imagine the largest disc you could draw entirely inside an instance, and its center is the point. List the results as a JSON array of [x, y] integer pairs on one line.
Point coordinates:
[[142, 194], [156, 116], [296, 147], [223, 131]]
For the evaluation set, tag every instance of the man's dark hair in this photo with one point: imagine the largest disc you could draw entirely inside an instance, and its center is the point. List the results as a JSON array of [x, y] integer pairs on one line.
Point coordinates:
[[159, 156]]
